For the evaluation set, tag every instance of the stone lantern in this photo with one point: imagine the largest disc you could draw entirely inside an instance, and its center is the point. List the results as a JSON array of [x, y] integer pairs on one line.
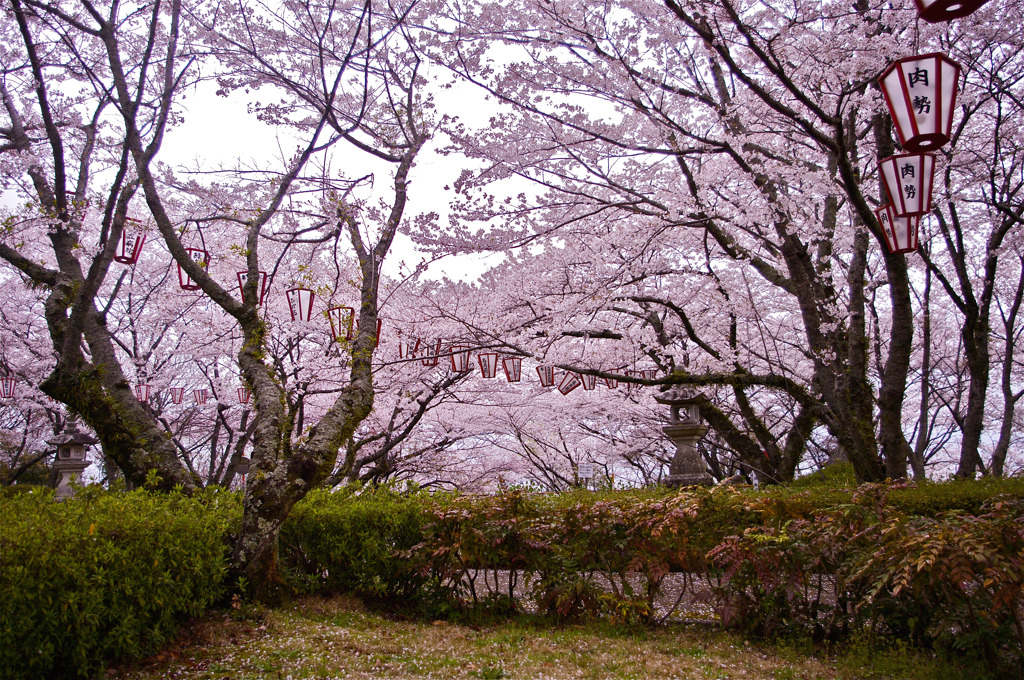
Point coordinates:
[[685, 430], [71, 461]]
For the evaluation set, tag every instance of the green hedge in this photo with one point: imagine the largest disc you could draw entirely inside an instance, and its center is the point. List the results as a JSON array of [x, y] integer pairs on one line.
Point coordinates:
[[104, 576]]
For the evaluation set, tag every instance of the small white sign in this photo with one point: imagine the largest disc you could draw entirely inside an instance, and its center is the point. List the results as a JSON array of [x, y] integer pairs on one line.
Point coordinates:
[[586, 471]]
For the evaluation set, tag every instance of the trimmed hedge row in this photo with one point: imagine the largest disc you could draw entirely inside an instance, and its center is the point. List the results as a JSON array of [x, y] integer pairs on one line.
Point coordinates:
[[937, 563], [104, 576]]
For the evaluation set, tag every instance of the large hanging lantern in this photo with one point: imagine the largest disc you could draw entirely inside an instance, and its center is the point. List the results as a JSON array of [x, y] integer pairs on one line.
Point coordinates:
[[611, 383], [433, 355], [7, 387], [934, 11], [142, 393], [130, 245], [243, 395], [300, 303], [900, 232], [589, 381], [570, 381], [200, 396], [908, 181], [513, 368], [921, 95], [488, 363], [341, 322], [460, 358], [407, 347], [243, 277], [177, 394], [201, 258], [547, 375]]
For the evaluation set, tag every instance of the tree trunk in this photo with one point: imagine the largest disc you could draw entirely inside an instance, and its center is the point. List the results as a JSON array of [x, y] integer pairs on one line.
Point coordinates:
[[895, 450]]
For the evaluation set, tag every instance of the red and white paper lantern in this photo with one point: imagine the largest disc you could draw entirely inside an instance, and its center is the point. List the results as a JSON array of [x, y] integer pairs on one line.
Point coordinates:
[[589, 381], [547, 375], [261, 288], [130, 245], [341, 322], [570, 381], [488, 363], [201, 258], [649, 373], [900, 232], [460, 358], [934, 11], [921, 95], [300, 303], [611, 383], [142, 393], [513, 368], [200, 396], [177, 394], [7, 387], [407, 347], [908, 181], [243, 395], [432, 354]]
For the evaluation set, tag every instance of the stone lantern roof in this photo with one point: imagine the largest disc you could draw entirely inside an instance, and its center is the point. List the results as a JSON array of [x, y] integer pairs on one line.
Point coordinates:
[[72, 436]]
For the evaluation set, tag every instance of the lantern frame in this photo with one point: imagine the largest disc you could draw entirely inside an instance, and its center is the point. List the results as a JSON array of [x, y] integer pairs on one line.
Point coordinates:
[[513, 367], [947, 10], [459, 356], [546, 373], [432, 359], [588, 381], [177, 394], [200, 257], [568, 383], [300, 300], [901, 233], [142, 393], [376, 338], [243, 276], [908, 198], [7, 386], [611, 383], [338, 323], [905, 90], [128, 253], [200, 396], [488, 364], [243, 395]]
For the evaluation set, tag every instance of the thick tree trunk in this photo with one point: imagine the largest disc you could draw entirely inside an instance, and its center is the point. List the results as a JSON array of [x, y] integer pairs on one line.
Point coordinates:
[[895, 450]]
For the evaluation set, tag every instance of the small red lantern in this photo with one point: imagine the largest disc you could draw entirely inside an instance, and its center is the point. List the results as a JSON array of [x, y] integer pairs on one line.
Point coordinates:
[[611, 383], [649, 373], [908, 181], [243, 395], [300, 303], [7, 387], [460, 358], [130, 245], [406, 347], [432, 357], [570, 381], [921, 95], [200, 396], [201, 258], [142, 393], [177, 394], [243, 277], [589, 381], [547, 375], [488, 363], [900, 232], [934, 11], [513, 368], [341, 322]]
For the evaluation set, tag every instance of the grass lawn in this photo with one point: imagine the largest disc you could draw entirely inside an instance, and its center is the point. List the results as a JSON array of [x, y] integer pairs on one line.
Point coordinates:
[[340, 638]]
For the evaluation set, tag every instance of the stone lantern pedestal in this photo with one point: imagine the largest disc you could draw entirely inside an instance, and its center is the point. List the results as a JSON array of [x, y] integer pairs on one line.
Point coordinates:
[[685, 430], [71, 461]]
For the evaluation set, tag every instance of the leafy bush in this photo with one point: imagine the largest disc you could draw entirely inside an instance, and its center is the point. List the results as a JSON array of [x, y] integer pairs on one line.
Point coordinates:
[[104, 576]]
